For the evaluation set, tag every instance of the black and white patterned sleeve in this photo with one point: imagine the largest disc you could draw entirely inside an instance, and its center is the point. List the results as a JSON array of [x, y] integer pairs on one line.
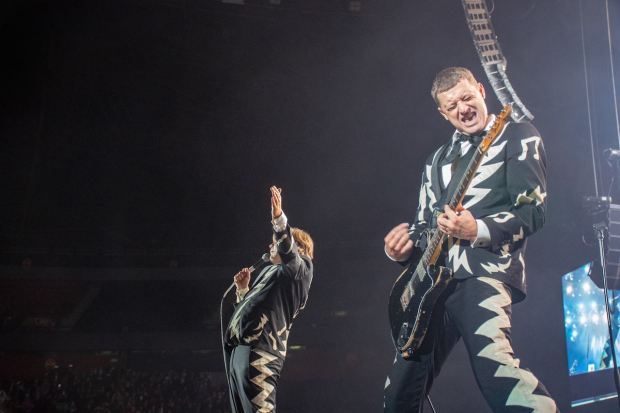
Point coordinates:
[[526, 186]]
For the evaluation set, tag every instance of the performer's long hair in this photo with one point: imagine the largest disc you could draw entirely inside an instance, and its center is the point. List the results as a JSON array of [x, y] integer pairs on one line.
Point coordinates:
[[304, 242]]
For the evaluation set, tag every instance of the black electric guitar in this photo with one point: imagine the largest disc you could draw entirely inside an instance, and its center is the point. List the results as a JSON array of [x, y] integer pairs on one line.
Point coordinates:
[[423, 284]]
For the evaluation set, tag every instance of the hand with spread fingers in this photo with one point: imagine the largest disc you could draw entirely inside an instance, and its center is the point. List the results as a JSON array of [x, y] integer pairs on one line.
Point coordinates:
[[459, 225], [276, 202], [242, 279], [398, 245]]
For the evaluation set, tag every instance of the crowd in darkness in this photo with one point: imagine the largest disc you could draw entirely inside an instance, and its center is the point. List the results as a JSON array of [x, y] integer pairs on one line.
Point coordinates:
[[113, 390]]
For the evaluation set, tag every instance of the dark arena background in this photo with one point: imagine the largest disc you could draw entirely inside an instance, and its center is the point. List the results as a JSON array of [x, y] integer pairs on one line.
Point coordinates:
[[138, 142]]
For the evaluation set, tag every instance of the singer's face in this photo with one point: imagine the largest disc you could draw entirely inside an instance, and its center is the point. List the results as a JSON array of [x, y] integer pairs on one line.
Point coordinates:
[[274, 257], [464, 107]]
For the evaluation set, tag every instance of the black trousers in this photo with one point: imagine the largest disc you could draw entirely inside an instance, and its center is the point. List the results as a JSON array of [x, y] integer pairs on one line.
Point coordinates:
[[479, 311], [253, 378]]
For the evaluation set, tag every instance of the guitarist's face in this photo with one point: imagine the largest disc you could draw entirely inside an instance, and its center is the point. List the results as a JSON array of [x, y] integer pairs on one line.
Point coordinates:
[[464, 107]]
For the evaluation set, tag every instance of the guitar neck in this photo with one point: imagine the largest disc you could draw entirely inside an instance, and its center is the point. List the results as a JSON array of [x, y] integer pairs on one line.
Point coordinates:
[[429, 252], [438, 235], [459, 194]]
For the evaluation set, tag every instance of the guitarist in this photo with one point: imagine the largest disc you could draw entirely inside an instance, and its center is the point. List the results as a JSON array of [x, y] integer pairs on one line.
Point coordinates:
[[504, 204]]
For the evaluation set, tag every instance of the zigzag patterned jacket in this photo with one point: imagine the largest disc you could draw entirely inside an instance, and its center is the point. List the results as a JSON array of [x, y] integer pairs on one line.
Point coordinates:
[[508, 193], [263, 319]]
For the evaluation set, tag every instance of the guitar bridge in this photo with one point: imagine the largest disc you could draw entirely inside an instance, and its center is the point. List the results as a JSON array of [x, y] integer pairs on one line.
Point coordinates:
[[404, 334]]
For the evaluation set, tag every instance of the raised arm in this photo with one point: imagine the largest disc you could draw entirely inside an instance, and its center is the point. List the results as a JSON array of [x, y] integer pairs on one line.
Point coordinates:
[[292, 263], [276, 202]]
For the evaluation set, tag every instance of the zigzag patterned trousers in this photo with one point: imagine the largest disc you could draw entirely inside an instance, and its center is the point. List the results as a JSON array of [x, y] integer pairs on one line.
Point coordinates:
[[253, 379], [479, 311]]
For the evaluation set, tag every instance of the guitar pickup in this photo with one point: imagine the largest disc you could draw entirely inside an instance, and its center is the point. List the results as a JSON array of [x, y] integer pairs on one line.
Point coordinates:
[[405, 298]]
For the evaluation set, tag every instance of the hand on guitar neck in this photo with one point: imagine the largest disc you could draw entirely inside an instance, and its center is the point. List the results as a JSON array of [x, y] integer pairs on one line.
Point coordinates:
[[461, 225], [398, 245]]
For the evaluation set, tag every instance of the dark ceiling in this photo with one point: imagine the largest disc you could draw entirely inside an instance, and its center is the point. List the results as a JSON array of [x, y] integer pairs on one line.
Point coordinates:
[[159, 126]]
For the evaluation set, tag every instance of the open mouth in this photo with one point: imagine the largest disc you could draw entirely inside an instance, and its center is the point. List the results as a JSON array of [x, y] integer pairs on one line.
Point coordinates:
[[470, 118]]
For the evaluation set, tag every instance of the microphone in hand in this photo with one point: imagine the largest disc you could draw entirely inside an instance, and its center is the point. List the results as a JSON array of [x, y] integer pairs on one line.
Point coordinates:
[[246, 273], [264, 258]]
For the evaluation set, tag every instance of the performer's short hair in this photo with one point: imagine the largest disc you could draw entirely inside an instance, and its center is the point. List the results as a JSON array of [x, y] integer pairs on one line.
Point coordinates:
[[448, 78], [303, 241]]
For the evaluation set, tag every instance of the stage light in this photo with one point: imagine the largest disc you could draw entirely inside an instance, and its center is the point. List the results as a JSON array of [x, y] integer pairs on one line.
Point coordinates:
[[355, 5]]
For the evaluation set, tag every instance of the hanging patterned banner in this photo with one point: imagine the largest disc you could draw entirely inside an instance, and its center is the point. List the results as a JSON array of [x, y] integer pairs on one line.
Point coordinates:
[[492, 58]]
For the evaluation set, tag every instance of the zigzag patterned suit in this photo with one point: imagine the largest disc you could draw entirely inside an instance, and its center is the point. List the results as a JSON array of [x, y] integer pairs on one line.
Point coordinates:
[[258, 330], [508, 195]]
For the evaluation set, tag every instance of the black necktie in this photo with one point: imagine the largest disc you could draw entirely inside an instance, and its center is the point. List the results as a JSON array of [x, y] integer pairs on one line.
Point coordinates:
[[455, 150]]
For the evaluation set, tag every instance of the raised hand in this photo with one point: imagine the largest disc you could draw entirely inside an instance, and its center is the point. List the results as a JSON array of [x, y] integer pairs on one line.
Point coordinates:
[[276, 202], [242, 279]]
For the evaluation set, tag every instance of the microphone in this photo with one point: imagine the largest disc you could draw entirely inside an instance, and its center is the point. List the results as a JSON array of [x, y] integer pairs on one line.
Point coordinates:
[[263, 259], [612, 154]]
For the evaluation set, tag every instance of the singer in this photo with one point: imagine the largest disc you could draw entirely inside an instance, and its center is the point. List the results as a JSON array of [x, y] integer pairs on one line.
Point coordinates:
[[259, 327]]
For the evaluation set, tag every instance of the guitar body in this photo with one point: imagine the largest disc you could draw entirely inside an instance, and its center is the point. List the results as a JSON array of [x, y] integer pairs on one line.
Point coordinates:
[[409, 324]]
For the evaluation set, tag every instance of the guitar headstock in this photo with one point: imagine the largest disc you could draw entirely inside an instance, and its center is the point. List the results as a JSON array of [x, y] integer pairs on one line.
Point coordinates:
[[498, 126]]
